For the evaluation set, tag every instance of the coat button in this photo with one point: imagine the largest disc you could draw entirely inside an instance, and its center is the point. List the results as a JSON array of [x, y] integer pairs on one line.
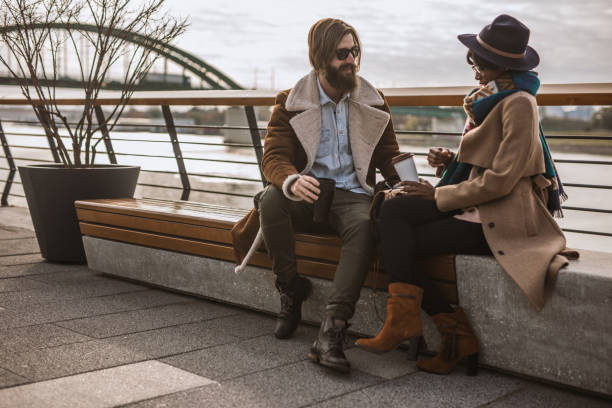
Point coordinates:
[[491, 224], [500, 252]]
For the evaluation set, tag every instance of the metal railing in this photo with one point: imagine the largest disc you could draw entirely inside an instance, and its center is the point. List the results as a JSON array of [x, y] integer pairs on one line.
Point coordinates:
[[576, 94]]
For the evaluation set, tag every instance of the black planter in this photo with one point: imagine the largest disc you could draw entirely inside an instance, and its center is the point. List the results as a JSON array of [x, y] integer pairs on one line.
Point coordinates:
[[51, 191]]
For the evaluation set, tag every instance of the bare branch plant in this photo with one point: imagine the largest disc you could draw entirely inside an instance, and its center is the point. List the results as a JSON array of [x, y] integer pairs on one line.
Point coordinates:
[[36, 31]]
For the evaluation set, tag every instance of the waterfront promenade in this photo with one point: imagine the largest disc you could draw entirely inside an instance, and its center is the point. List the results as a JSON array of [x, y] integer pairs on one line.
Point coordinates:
[[71, 337]]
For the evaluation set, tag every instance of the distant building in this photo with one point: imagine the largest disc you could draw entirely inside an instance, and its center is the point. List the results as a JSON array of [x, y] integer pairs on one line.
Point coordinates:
[[584, 113], [182, 81]]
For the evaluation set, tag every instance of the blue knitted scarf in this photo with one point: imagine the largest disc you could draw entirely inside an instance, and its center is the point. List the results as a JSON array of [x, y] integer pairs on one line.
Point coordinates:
[[477, 104]]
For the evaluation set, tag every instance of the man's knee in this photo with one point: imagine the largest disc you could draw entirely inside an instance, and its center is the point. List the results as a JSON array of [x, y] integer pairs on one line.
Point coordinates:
[[360, 228], [272, 203]]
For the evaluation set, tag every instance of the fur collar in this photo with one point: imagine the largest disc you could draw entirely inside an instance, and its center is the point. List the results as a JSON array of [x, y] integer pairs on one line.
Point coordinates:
[[305, 94]]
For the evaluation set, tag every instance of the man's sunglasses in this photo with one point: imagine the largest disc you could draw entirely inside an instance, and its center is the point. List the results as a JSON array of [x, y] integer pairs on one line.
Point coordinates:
[[343, 53]]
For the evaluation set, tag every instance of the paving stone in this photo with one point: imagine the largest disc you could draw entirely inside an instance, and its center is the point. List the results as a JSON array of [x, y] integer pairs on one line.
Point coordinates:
[[246, 356], [48, 363], [7, 232], [170, 341], [36, 269], [8, 379], [21, 284], [73, 276], [295, 385], [539, 396], [19, 246], [147, 319], [103, 388], [431, 390], [20, 259], [37, 337], [77, 308], [246, 324], [389, 365], [75, 358], [31, 298]]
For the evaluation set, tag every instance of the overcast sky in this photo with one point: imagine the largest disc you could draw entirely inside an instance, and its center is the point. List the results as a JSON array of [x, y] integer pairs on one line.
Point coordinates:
[[405, 42]]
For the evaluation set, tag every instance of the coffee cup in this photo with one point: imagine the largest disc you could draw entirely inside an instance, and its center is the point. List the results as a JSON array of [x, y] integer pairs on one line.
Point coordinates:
[[405, 167]]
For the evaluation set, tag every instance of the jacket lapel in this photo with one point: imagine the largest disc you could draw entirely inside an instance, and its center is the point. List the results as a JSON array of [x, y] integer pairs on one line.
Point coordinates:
[[366, 123]]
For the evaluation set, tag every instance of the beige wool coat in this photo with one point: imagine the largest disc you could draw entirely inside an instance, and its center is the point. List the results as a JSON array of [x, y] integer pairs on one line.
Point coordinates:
[[507, 187]]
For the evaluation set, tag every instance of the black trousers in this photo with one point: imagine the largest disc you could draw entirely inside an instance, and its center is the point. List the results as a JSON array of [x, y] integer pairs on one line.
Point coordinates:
[[411, 228]]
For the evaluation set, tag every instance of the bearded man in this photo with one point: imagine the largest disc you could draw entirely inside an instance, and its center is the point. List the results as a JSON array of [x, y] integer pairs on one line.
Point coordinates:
[[331, 125]]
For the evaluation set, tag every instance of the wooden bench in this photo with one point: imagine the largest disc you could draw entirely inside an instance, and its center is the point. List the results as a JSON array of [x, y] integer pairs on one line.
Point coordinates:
[[204, 230]]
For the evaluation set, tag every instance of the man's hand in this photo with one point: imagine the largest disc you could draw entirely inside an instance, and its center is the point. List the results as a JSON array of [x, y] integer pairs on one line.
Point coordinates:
[[306, 188], [439, 157], [421, 189]]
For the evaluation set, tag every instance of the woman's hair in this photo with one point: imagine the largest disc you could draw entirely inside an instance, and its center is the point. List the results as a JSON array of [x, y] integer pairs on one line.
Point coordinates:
[[474, 59], [323, 39]]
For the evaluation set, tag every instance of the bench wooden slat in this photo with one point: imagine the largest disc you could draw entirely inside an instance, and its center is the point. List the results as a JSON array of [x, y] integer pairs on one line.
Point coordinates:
[[304, 246]]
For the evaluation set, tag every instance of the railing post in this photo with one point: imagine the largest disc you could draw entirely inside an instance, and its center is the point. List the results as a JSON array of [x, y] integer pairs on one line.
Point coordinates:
[[45, 117], [105, 134], [256, 139], [177, 151], [12, 168]]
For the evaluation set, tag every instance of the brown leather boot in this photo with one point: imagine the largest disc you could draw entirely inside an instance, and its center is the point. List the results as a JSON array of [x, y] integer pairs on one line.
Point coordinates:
[[458, 342], [403, 319]]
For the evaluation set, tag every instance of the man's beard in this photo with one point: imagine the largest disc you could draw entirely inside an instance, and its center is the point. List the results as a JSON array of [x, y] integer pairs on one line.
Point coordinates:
[[341, 82]]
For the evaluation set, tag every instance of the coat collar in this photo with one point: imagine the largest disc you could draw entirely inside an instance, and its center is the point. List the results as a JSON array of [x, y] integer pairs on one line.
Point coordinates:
[[305, 94], [366, 122]]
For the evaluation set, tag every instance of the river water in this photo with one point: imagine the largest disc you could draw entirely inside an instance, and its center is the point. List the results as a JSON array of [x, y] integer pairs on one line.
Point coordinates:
[[157, 144]]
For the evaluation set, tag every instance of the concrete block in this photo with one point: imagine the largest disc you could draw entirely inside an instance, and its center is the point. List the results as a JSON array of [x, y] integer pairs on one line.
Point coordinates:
[[569, 341]]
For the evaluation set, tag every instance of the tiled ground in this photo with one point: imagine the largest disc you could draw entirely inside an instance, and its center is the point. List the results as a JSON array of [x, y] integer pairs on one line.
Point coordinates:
[[70, 337]]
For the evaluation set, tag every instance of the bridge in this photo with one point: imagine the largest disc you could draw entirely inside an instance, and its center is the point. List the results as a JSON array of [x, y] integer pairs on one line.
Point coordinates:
[[212, 76]]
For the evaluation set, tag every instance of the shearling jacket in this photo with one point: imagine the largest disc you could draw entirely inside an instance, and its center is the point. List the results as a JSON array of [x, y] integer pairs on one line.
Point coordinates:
[[507, 187], [294, 131]]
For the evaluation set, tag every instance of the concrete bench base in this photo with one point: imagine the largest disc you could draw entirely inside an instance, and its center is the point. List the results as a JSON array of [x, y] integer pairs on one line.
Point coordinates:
[[569, 342]]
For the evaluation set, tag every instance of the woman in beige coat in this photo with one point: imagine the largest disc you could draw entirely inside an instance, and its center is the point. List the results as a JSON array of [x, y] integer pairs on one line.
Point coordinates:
[[497, 196]]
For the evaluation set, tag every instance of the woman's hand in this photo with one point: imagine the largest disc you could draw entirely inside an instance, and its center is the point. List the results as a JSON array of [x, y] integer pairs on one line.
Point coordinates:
[[439, 157], [421, 189]]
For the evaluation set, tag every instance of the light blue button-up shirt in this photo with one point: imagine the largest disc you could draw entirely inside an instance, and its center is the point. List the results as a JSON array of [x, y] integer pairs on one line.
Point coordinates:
[[334, 158]]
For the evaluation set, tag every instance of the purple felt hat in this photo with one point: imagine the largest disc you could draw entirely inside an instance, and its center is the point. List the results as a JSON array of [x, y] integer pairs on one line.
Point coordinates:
[[503, 43]]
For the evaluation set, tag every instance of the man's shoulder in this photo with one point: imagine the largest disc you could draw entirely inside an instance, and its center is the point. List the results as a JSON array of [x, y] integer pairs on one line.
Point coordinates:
[[281, 97]]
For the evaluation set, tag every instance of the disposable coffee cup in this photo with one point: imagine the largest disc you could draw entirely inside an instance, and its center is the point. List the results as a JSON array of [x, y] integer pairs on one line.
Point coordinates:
[[405, 167]]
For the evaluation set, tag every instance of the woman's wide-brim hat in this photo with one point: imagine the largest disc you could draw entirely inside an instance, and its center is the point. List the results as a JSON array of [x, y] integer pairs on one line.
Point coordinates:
[[503, 43]]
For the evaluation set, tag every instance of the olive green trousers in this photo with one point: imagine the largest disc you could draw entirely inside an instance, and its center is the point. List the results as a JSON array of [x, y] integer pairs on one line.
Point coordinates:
[[281, 217]]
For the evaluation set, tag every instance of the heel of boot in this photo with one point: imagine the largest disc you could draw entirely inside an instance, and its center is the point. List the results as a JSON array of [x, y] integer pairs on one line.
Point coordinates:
[[416, 345], [472, 365]]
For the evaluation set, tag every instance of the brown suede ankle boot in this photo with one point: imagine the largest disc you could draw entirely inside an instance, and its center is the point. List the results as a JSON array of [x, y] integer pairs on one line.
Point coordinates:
[[403, 319], [458, 342]]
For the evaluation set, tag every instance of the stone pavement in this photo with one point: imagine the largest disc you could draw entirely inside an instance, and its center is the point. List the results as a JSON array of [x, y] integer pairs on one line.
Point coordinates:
[[71, 337]]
